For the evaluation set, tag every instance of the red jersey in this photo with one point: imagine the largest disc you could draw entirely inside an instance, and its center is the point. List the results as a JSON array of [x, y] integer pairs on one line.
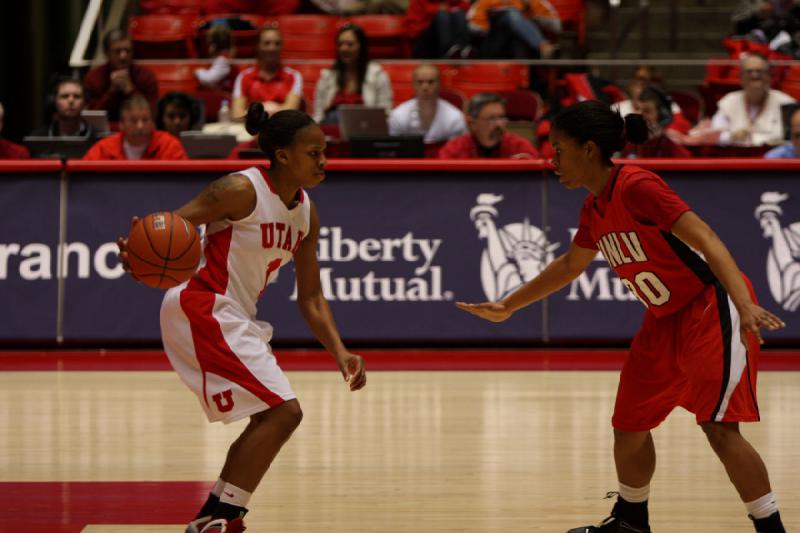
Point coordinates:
[[163, 146], [465, 147], [251, 85], [630, 222]]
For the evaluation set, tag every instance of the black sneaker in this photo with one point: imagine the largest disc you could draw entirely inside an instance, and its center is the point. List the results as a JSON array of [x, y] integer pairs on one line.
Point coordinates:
[[612, 524], [770, 524]]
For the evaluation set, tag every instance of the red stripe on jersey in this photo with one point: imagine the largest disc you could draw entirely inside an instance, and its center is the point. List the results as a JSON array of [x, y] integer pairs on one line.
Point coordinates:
[[301, 196], [214, 274], [212, 350], [266, 179]]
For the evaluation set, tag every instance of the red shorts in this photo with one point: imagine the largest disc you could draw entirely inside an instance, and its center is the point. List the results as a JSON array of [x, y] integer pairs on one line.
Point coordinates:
[[694, 358]]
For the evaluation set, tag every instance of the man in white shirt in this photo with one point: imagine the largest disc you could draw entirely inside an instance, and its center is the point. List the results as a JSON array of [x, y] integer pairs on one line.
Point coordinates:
[[427, 114], [752, 116]]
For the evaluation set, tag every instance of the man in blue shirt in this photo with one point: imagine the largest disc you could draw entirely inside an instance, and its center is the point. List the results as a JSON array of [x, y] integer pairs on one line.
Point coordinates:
[[790, 149]]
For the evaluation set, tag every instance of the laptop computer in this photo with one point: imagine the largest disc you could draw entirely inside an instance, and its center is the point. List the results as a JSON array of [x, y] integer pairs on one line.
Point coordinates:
[[200, 145], [57, 147], [97, 119], [361, 120], [387, 147]]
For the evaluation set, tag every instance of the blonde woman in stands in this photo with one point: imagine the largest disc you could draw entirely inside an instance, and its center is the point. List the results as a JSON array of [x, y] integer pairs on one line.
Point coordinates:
[[353, 78], [276, 86]]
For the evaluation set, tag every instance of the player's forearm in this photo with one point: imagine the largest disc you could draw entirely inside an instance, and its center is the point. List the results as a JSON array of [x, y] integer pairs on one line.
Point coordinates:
[[318, 316], [724, 267], [555, 276]]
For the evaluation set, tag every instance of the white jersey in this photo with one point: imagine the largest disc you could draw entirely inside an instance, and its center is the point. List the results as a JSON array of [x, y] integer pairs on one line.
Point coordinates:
[[208, 324], [242, 256]]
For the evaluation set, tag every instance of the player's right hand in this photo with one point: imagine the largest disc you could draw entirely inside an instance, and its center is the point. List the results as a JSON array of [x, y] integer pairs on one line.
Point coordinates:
[[122, 244], [492, 311]]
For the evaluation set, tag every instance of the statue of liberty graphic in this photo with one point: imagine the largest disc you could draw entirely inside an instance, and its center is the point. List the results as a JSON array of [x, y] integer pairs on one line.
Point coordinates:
[[783, 260], [514, 253]]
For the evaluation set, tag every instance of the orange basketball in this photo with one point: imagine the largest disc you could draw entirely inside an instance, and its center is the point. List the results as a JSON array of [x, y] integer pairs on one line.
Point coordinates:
[[163, 250]]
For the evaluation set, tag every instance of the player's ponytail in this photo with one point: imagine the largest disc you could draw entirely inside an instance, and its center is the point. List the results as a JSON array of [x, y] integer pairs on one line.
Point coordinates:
[[256, 118], [276, 131], [592, 120], [636, 130]]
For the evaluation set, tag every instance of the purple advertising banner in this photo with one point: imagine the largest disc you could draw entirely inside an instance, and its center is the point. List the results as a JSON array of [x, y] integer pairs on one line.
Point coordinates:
[[395, 251], [398, 246], [29, 254]]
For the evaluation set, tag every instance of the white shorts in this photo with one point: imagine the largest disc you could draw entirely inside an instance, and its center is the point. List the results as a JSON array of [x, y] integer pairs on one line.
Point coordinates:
[[221, 354]]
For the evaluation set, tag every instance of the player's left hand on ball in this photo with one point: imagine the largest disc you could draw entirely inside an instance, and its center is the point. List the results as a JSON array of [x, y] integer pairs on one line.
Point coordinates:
[[122, 244], [755, 317], [354, 371]]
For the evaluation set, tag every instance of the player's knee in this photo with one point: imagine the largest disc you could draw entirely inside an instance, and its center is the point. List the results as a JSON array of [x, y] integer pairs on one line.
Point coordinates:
[[292, 414], [719, 434]]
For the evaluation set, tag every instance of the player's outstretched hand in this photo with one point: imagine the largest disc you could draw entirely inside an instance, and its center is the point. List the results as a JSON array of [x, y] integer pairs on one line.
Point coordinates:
[[754, 317], [493, 311], [354, 371], [122, 244]]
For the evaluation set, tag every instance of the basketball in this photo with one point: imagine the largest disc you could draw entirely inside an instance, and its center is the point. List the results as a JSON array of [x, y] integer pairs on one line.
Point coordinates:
[[163, 250]]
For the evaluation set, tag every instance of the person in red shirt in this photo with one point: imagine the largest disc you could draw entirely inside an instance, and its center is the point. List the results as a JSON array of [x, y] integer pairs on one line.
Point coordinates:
[[137, 138], [108, 85], [274, 85], [698, 345], [8, 149], [488, 138]]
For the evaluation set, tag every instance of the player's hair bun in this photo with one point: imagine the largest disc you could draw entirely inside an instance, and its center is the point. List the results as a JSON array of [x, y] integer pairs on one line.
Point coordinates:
[[256, 118], [636, 130]]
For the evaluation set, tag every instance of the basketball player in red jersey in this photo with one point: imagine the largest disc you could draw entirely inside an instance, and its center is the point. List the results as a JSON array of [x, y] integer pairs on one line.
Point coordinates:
[[256, 221], [698, 344]]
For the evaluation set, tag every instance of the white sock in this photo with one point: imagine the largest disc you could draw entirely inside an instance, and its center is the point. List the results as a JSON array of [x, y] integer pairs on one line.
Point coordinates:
[[234, 495], [634, 495], [762, 507], [217, 490]]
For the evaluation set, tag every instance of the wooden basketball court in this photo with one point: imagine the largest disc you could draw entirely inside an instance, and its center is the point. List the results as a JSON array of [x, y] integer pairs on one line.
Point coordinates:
[[416, 451]]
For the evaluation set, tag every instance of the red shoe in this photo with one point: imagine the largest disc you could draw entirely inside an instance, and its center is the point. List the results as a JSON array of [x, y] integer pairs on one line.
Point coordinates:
[[220, 525]]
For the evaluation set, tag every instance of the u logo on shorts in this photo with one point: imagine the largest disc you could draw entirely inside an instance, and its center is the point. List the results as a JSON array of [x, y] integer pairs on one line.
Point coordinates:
[[227, 395]]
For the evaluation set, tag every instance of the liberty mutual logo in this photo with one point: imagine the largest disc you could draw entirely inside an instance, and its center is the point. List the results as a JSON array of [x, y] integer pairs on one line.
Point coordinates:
[[514, 254], [783, 259]]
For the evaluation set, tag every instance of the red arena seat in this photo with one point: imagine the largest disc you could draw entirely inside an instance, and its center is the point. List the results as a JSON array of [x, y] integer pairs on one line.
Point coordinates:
[[163, 36], [486, 77], [386, 35]]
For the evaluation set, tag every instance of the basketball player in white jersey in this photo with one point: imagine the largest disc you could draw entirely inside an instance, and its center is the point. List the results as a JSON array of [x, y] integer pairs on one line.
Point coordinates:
[[256, 221]]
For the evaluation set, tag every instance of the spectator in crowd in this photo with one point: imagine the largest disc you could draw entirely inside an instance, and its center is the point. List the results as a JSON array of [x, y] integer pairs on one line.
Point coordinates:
[[177, 112], [645, 76], [427, 114], [137, 137], [270, 8], [656, 107], [220, 47], [772, 22], [791, 149], [119, 78], [353, 79], [513, 28], [66, 103], [269, 82], [439, 29], [488, 138], [751, 116], [8, 149]]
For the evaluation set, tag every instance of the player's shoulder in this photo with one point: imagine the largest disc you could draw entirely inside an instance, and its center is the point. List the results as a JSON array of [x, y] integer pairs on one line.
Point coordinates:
[[630, 175]]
